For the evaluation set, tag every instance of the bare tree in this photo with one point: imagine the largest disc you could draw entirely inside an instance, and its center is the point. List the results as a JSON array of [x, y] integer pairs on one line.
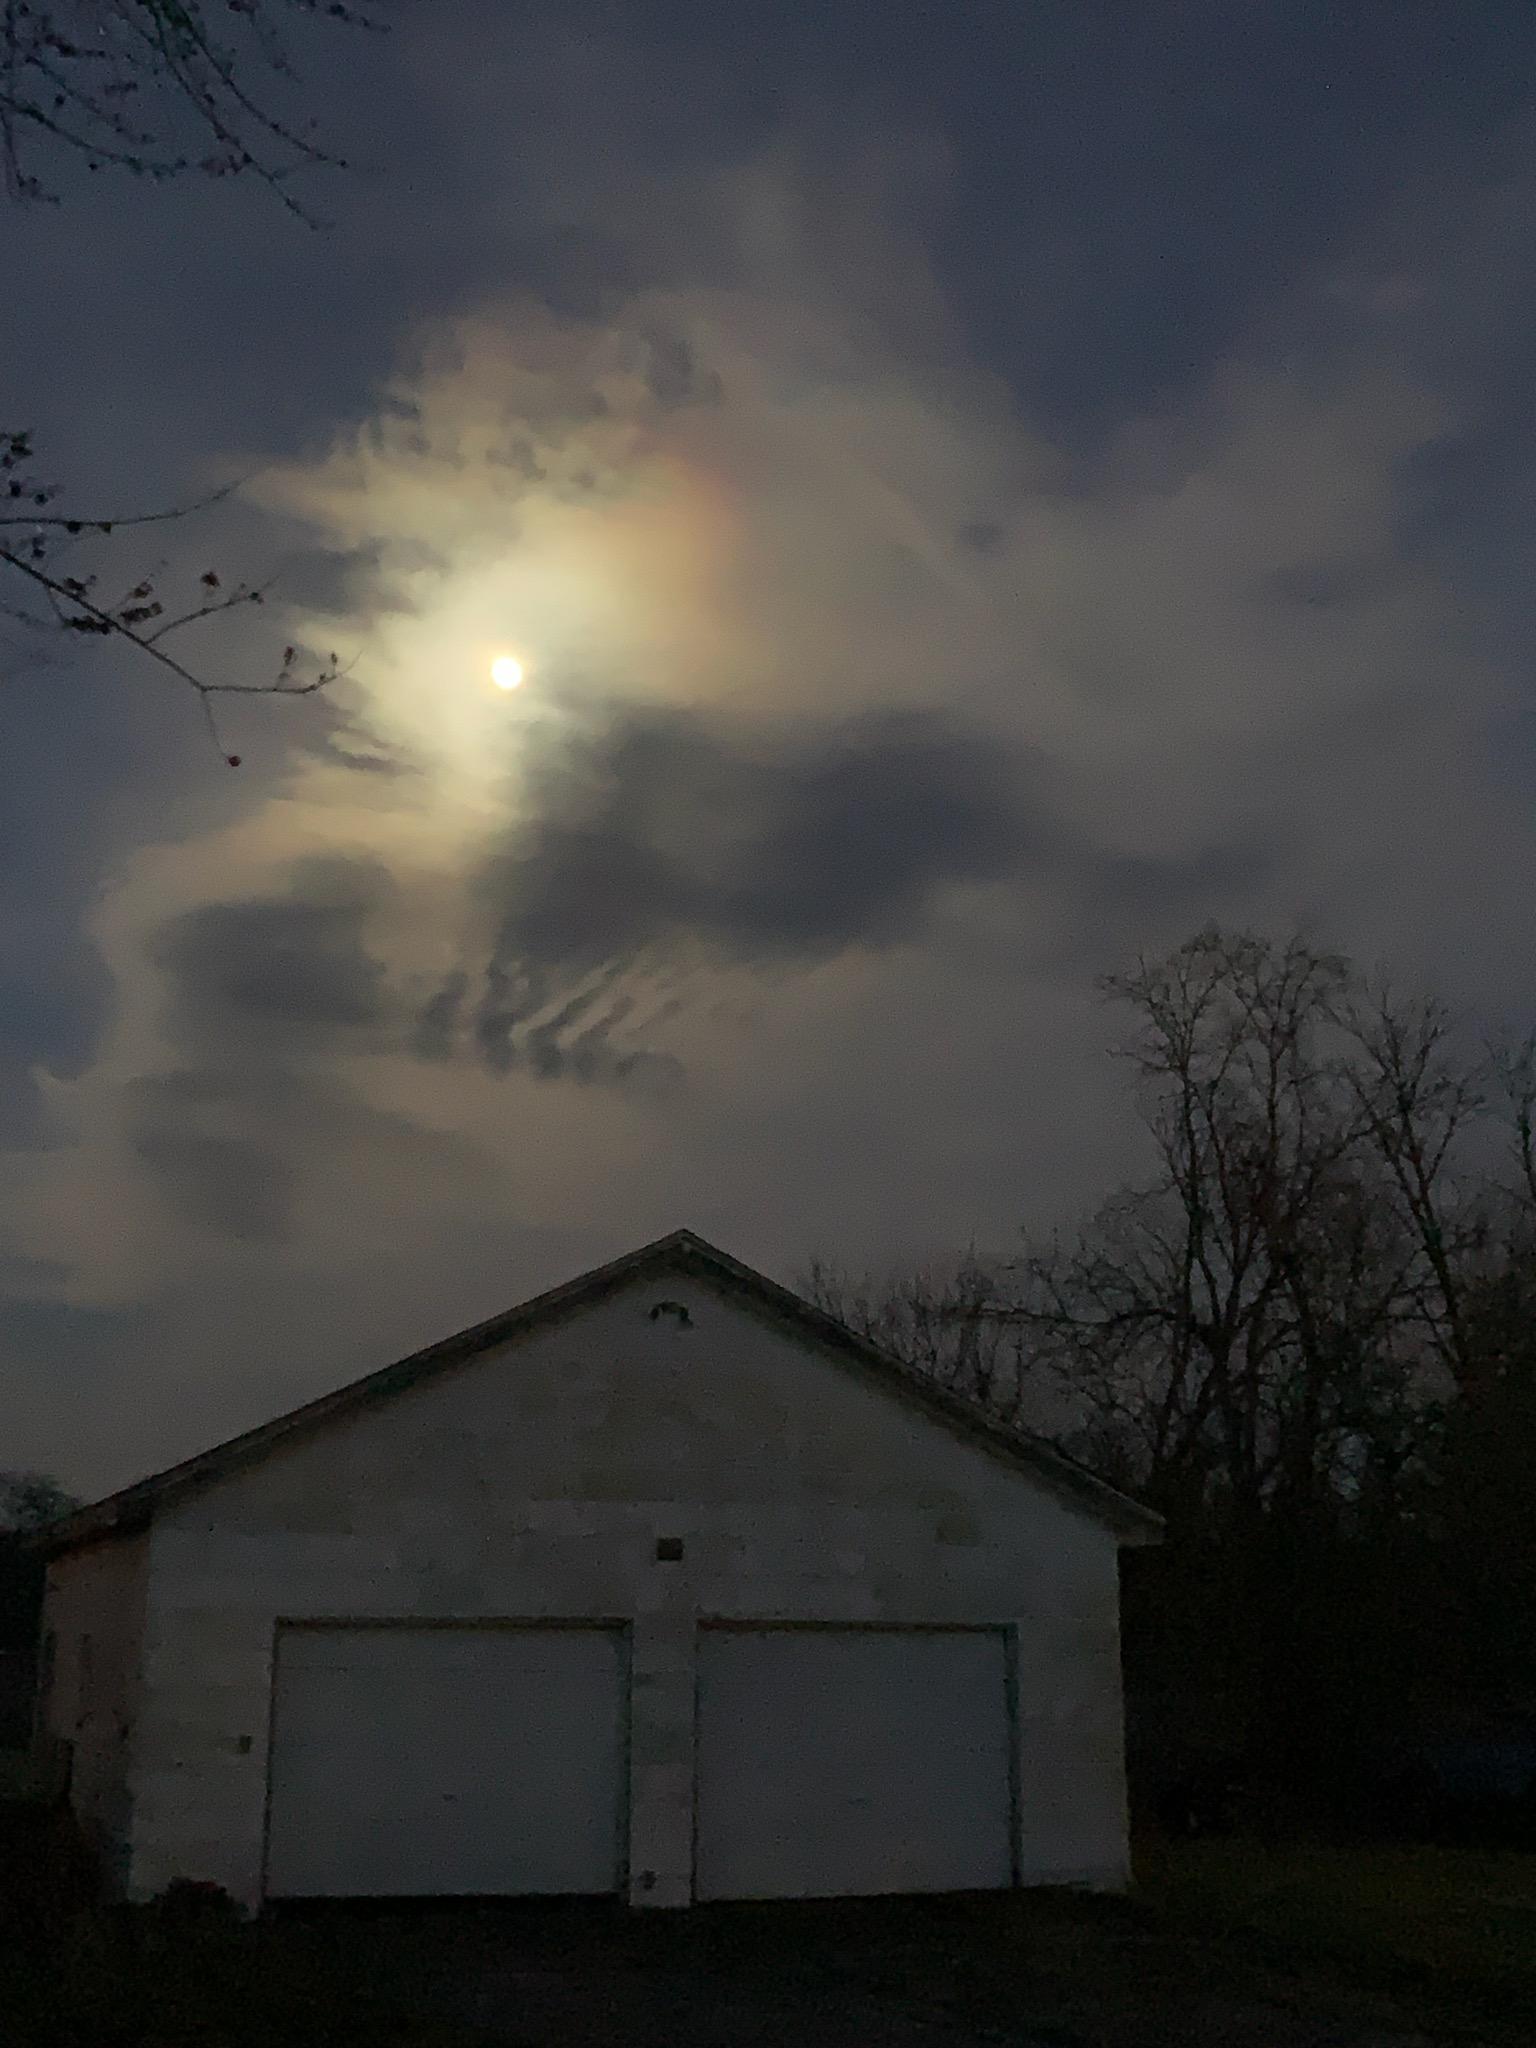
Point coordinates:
[[1248, 1331], [940, 1321], [1202, 1339], [1419, 1101], [152, 89], [1275, 1323]]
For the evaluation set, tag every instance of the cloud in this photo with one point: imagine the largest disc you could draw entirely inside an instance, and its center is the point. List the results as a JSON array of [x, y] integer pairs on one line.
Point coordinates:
[[527, 1020], [252, 979], [268, 1001], [234, 1186], [863, 725], [558, 1036], [655, 843], [834, 672], [655, 825], [336, 582], [230, 1147]]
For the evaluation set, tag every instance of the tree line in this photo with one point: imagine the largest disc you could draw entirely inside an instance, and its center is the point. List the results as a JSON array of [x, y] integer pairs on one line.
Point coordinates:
[[1306, 1333]]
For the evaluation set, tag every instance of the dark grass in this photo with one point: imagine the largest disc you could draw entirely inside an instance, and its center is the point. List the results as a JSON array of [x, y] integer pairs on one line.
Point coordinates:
[[1450, 1931], [77, 1974], [1224, 1945]]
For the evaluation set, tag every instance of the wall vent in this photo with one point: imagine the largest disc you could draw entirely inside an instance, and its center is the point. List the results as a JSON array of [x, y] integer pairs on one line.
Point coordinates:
[[675, 1311]]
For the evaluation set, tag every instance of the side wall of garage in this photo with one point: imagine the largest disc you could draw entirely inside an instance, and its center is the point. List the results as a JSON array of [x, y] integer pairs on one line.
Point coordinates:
[[631, 1468], [94, 1613]]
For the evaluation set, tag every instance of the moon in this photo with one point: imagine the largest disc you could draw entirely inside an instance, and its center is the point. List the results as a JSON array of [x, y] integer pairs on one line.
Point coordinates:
[[506, 673]]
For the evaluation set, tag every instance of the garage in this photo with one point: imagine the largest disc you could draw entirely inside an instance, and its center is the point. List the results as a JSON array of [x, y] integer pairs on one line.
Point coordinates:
[[662, 1584], [450, 1761], [835, 1761]]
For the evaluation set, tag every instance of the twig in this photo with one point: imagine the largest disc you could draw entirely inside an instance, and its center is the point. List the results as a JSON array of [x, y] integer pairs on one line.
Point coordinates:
[[104, 621], [75, 524]]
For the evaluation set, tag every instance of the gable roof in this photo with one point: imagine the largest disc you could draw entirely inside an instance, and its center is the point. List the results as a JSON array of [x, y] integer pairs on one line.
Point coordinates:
[[682, 1252]]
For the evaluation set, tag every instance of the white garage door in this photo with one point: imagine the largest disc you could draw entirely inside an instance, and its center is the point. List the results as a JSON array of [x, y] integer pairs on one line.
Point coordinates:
[[411, 1761], [851, 1761]]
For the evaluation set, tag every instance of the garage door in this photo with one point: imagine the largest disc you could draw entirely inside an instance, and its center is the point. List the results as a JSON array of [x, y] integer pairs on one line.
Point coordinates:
[[412, 1761], [851, 1761]]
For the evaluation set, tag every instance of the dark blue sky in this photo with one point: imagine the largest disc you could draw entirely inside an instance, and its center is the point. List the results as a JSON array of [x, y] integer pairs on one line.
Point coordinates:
[[981, 489]]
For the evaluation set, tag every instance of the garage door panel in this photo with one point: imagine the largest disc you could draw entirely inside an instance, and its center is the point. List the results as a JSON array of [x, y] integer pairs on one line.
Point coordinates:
[[418, 1761], [844, 1762]]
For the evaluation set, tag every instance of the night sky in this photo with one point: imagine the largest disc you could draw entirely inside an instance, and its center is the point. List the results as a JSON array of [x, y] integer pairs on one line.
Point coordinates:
[[978, 492]]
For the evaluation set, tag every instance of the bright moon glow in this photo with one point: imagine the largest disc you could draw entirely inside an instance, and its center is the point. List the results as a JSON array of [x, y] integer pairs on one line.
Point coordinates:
[[506, 673]]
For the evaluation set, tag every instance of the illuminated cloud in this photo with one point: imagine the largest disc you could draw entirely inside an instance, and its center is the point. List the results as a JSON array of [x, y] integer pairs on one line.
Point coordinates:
[[868, 714]]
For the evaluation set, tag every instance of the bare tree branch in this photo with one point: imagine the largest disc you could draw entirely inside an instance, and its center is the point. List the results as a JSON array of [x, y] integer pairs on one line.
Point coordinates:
[[147, 87], [130, 620], [76, 524]]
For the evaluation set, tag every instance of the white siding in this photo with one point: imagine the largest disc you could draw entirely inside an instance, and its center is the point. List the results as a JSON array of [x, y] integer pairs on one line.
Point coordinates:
[[534, 1482]]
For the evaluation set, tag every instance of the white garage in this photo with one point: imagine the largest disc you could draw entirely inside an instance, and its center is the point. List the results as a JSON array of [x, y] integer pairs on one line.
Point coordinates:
[[414, 1762], [663, 1585], [853, 1761]]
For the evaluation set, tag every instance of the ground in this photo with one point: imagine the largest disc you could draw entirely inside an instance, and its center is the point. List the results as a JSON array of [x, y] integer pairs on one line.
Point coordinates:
[[1225, 1945]]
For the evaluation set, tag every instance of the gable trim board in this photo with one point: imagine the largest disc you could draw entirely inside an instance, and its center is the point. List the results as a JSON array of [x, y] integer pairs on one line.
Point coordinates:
[[318, 1640], [131, 1508]]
